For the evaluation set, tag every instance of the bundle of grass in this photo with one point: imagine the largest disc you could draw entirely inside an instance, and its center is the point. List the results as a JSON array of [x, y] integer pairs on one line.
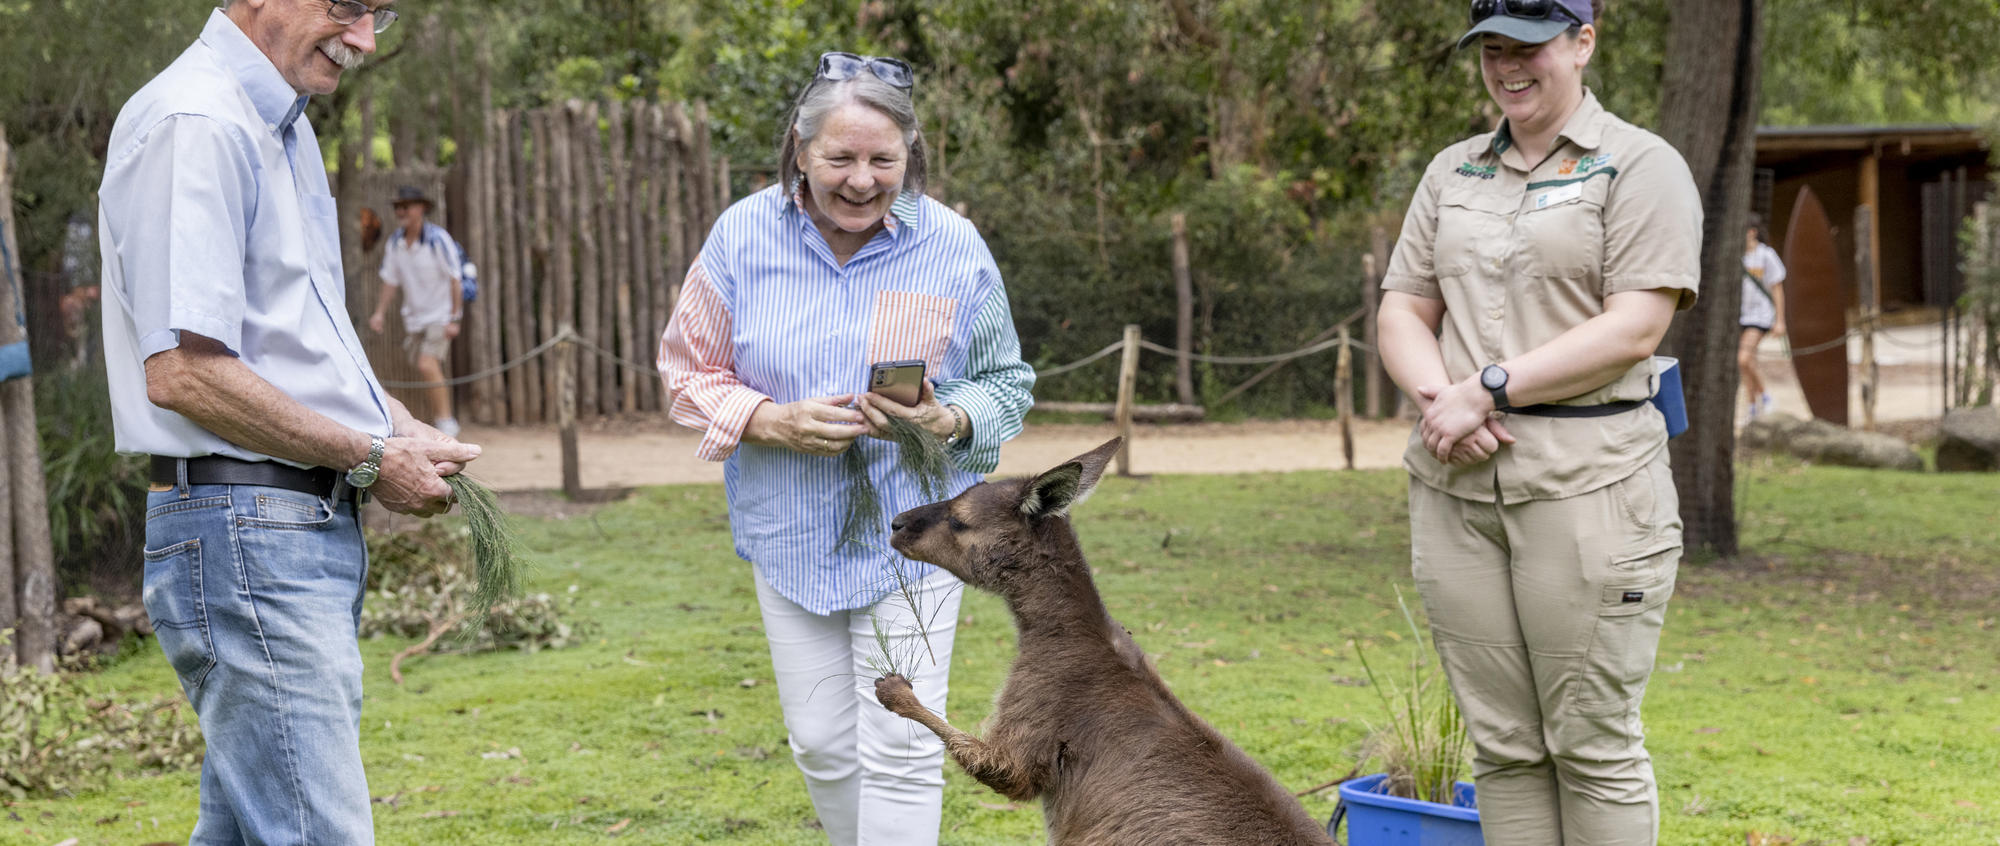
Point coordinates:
[[497, 562], [1423, 747], [918, 452]]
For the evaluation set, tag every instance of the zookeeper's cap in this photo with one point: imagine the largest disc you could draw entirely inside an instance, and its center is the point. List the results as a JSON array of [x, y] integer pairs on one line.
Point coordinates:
[[1527, 21], [412, 194]]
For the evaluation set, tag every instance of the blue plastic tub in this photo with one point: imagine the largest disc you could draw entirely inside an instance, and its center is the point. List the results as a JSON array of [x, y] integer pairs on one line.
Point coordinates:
[[1378, 819]]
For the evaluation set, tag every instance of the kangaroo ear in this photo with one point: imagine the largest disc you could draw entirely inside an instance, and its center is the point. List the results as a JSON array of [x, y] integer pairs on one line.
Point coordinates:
[[1055, 491]]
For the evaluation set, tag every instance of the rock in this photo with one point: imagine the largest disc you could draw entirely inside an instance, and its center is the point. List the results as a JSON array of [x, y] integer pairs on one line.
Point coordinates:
[[1971, 440], [1821, 442], [83, 634], [132, 618]]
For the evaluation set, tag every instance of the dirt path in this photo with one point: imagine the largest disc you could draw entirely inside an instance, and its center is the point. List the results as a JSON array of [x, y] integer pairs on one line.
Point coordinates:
[[649, 450], [628, 452]]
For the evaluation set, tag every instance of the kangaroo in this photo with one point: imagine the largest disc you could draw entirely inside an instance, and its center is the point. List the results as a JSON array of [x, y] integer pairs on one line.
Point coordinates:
[[1083, 721]]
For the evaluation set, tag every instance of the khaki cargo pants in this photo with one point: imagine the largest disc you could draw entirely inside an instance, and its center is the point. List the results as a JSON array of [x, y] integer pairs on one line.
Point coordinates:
[[1547, 615]]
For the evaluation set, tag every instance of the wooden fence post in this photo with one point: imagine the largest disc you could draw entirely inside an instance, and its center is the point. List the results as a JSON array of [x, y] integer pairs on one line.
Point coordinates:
[[1183, 313], [1864, 274], [566, 376], [1128, 382], [1343, 399], [1371, 302]]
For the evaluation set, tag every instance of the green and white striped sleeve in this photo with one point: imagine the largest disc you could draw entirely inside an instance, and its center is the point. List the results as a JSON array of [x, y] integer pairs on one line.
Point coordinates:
[[996, 392]]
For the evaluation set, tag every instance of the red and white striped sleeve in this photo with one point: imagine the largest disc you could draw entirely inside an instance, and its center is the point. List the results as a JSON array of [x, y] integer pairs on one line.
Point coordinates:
[[698, 366]]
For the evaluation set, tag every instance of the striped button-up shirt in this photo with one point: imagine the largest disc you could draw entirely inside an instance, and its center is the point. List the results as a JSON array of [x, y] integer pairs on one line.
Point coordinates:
[[215, 218], [768, 313]]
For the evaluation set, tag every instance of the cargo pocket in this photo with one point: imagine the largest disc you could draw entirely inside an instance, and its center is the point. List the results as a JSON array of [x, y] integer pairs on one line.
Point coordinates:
[[1631, 609], [911, 326], [1602, 723], [174, 601]]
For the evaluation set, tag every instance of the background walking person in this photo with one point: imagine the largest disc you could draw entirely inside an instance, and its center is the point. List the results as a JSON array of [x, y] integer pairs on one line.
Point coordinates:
[[423, 263], [1763, 312]]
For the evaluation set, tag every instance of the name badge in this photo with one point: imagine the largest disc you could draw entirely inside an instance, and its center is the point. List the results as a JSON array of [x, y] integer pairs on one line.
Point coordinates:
[[1558, 195]]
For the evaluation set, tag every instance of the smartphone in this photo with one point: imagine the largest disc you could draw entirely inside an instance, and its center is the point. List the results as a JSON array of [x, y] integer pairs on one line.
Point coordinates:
[[902, 381]]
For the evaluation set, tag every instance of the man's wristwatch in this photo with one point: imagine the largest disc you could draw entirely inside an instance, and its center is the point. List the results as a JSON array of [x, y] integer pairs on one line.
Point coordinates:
[[1494, 380], [365, 473]]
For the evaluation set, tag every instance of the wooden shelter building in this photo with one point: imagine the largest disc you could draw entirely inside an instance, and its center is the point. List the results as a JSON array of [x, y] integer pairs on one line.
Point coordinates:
[[1921, 179]]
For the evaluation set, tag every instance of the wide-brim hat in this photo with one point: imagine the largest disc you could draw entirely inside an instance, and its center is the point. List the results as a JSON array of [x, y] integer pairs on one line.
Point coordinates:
[[1528, 30], [412, 194]]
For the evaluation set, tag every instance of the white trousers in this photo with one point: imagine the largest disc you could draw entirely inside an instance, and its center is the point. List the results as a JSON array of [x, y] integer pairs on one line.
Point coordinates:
[[875, 778]]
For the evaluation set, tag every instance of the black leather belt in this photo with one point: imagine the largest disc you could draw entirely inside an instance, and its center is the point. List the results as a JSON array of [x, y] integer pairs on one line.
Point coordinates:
[[222, 470], [1605, 410]]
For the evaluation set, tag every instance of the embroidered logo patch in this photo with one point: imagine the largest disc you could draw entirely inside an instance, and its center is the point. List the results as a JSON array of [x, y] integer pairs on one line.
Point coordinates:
[[1589, 163], [1632, 596], [1477, 171]]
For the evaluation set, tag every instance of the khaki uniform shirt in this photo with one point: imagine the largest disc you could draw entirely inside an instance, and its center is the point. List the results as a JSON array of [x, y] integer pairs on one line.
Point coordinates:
[[1520, 252]]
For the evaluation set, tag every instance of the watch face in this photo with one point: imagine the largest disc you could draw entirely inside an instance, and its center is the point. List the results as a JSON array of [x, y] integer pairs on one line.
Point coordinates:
[[1493, 377], [361, 477]]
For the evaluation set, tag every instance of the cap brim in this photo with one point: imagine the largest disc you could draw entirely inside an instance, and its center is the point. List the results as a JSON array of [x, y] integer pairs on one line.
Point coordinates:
[[1524, 31]]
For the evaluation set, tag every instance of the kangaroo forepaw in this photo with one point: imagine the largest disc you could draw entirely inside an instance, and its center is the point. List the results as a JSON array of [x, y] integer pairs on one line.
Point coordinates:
[[895, 694]]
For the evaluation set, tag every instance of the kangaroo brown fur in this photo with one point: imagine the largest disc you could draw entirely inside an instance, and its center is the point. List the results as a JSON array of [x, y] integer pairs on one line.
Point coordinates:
[[1083, 721]]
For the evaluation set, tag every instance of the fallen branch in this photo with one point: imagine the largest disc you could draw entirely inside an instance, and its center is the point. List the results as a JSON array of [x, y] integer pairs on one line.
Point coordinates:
[[437, 631], [1351, 775]]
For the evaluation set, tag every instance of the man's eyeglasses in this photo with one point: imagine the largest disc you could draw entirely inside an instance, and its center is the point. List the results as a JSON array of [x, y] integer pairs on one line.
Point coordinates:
[[1532, 10], [346, 12], [838, 66]]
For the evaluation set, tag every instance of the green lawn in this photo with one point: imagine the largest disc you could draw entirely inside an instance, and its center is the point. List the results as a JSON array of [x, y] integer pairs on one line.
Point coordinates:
[[1834, 687]]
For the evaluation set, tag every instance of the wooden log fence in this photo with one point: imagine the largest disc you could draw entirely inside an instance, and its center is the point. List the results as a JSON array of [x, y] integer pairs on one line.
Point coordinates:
[[575, 214]]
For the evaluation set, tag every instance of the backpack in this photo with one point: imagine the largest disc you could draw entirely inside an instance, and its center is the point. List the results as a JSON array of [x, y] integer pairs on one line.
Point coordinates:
[[454, 255]]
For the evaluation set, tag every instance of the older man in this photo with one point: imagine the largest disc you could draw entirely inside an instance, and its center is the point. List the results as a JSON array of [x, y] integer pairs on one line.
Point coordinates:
[[234, 364]]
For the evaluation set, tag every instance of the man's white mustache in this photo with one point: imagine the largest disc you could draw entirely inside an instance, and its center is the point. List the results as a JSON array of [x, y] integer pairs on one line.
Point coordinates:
[[346, 57]]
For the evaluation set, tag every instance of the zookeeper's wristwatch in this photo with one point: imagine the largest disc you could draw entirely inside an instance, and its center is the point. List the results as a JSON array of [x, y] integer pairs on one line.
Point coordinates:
[[1494, 380], [365, 473]]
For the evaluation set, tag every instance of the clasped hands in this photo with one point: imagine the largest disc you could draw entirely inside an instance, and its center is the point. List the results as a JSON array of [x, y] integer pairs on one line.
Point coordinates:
[[1459, 427], [829, 425]]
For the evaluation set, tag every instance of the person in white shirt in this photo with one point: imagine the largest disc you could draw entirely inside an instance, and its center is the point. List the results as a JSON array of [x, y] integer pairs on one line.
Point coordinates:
[[422, 262], [1763, 311]]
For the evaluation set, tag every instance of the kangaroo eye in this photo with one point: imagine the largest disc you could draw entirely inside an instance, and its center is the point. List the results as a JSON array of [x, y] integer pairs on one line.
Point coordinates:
[[955, 524]]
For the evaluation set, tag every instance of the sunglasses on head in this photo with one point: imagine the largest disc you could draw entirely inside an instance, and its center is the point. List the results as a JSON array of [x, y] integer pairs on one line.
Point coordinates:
[[1532, 10], [838, 66]]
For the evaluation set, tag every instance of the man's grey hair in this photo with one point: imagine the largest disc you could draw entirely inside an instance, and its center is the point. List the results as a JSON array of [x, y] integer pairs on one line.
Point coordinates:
[[823, 96]]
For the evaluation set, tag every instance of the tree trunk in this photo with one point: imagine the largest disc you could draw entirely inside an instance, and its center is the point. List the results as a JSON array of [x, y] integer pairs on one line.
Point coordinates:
[[27, 575], [1708, 110]]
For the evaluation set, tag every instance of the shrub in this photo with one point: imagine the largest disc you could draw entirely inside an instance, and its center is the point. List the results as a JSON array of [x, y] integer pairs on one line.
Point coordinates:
[[97, 498], [56, 739], [422, 578]]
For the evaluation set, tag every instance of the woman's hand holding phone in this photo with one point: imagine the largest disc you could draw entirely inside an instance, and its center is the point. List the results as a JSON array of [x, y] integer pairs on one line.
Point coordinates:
[[927, 412]]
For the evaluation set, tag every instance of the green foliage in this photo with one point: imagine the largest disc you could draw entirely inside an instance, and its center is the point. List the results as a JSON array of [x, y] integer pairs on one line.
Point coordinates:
[[56, 739], [1423, 746], [423, 578], [97, 498]]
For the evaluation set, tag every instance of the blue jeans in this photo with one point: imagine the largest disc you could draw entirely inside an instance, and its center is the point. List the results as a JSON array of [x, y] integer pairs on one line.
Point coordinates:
[[255, 594]]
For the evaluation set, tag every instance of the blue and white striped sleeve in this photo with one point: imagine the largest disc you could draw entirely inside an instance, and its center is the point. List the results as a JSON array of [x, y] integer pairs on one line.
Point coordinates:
[[998, 388]]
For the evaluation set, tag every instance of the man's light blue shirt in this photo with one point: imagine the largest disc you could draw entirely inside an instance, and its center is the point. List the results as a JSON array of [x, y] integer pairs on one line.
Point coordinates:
[[215, 218]]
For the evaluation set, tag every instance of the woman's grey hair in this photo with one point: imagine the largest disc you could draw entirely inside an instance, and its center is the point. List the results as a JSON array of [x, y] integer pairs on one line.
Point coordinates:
[[822, 96]]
